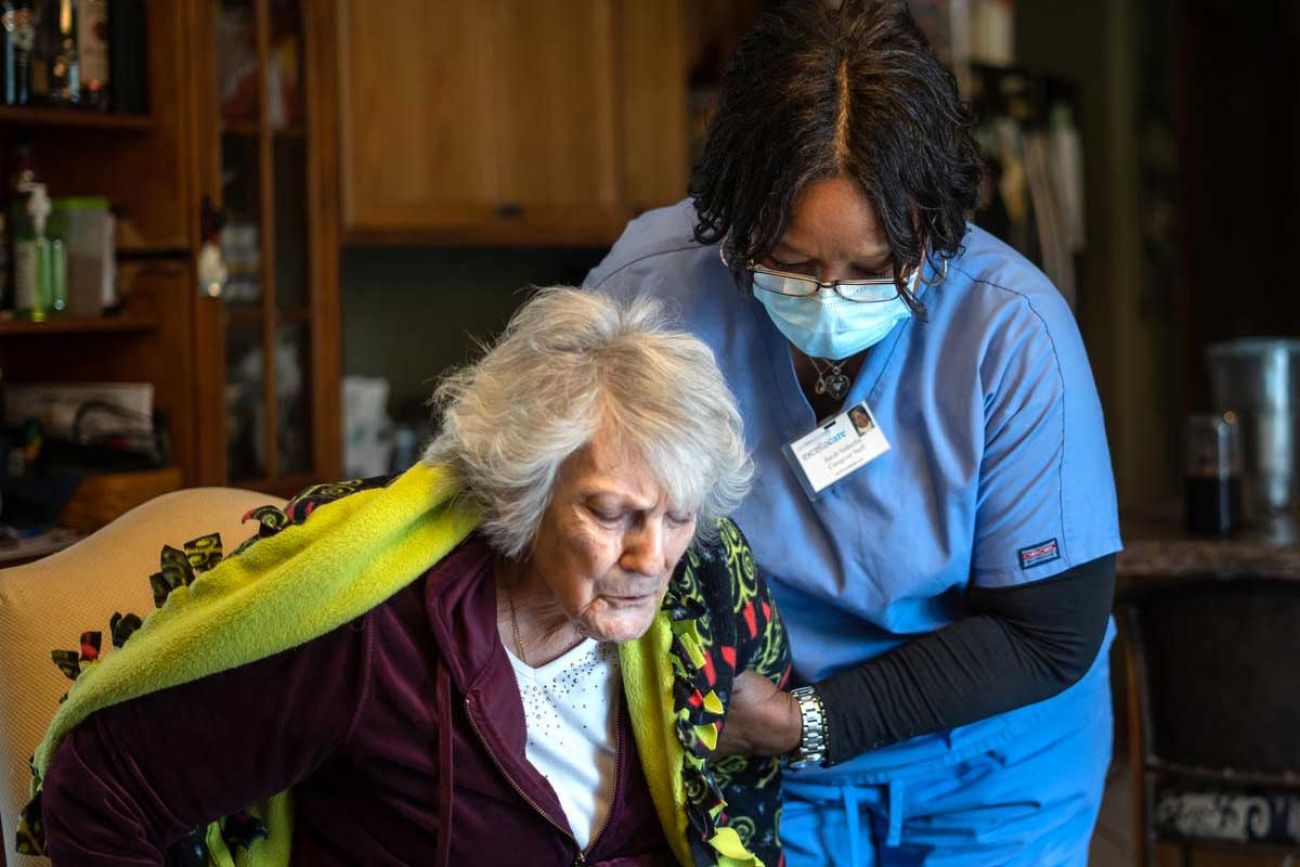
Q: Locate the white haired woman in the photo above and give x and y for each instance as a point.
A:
(519, 651)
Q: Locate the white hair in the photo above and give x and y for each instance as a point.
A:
(569, 364)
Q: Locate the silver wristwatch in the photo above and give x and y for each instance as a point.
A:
(812, 715)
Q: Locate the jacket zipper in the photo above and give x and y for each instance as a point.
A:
(618, 761)
(595, 838)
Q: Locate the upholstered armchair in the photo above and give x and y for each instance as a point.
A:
(48, 605)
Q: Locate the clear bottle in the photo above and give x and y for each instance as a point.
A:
(44, 15)
(8, 68)
(56, 232)
(65, 64)
(58, 276)
(22, 23)
(93, 53)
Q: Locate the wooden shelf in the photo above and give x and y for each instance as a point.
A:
(76, 117)
(249, 129)
(251, 315)
(77, 325)
(242, 129)
(132, 254)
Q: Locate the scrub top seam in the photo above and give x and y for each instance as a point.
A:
(639, 259)
(873, 393)
(1056, 359)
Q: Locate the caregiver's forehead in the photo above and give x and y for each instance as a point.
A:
(833, 219)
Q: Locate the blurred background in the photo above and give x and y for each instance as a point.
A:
(240, 239)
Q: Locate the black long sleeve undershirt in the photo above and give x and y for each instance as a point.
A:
(1017, 645)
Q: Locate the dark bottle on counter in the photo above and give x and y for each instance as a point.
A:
(1212, 475)
(1213, 505)
(65, 65)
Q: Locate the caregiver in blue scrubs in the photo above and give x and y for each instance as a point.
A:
(947, 576)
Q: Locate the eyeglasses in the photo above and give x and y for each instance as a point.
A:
(870, 291)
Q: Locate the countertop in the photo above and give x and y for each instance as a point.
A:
(1156, 544)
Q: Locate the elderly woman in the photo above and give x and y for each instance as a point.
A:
(946, 579)
(519, 651)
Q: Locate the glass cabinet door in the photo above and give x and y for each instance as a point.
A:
(265, 238)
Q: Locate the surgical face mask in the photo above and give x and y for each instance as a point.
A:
(829, 324)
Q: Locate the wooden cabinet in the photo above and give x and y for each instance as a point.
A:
(416, 114)
(241, 126)
(268, 342)
(509, 121)
(555, 115)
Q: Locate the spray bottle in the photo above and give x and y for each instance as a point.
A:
(33, 260)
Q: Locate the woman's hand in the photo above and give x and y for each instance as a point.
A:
(762, 719)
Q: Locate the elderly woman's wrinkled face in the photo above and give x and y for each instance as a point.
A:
(609, 541)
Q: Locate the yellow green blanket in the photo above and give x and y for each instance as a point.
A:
(360, 549)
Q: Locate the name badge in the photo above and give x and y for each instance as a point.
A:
(835, 448)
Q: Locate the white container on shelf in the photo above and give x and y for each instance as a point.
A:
(88, 230)
(367, 428)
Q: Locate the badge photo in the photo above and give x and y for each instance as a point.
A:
(837, 447)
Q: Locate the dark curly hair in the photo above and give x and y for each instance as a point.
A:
(813, 92)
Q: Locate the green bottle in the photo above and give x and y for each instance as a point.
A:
(33, 258)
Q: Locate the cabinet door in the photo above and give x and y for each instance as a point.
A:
(654, 147)
(267, 340)
(417, 115)
(509, 121)
(557, 142)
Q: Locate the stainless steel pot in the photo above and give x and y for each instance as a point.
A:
(1259, 379)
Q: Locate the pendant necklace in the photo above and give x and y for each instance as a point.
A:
(831, 380)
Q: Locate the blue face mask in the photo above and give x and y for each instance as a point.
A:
(826, 325)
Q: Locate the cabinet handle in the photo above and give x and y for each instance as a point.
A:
(510, 211)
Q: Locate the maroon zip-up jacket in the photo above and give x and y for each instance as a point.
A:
(402, 735)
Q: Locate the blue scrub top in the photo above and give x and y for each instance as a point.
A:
(998, 472)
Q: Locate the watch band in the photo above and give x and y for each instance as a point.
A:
(812, 715)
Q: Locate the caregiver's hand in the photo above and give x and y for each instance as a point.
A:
(762, 719)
